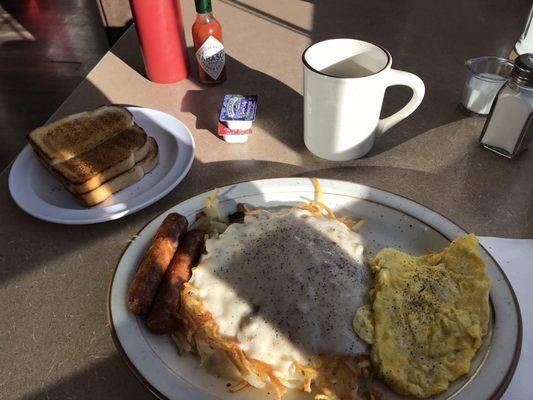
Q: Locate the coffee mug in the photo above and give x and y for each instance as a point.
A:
(344, 85)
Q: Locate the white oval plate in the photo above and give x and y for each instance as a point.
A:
(36, 191)
(393, 221)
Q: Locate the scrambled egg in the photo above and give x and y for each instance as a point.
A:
(428, 316)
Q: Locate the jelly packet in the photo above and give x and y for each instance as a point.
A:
(236, 117)
(238, 111)
(233, 135)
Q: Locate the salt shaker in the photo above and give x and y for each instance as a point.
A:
(509, 126)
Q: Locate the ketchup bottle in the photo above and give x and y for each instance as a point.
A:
(208, 47)
(159, 25)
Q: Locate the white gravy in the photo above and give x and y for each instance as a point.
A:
(286, 285)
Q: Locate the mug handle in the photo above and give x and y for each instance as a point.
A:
(403, 78)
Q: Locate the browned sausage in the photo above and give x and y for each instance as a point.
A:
(163, 317)
(155, 262)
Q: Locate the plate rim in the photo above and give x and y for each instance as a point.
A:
(498, 392)
(16, 166)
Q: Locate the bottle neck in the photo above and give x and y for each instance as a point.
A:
(203, 6)
(205, 18)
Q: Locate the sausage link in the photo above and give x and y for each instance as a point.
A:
(155, 262)
(163, 317)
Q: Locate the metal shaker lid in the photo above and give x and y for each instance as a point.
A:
(523, 70)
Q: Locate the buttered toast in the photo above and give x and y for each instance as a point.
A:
(116, 155)
(73, 135)
(123, 180)
(95, 153)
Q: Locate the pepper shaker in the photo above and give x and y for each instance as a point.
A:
(509, 126)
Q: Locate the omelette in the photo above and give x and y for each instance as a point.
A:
(427, 317)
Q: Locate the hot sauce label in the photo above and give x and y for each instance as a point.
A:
(211, 57)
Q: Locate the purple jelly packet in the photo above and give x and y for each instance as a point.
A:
(238, 110)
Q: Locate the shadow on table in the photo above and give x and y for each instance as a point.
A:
(104, 378)
(431, 40)
(280, 108)
(496, 204)
(128, 50)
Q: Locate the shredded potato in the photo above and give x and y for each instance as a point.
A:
(334, 377)
(354, 225)
(212, 219)
(319, 194)
(317, 207)
(238, 387)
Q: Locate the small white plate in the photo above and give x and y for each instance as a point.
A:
(39, 194)
(393, 221)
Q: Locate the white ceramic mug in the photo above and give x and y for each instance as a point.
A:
(344, 85)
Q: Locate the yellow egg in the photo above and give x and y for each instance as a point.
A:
(363, 324)
(429, 315)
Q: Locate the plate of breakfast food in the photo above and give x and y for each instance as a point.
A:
(304, 289)
(100, 165)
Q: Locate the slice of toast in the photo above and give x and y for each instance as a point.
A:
(73, 135)
(123, 180)
(94, 167)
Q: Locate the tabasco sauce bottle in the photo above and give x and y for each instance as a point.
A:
(208, 47)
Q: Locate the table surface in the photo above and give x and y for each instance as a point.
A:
(54, 335)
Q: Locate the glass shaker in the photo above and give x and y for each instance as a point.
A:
(485, 77)
(509, 126)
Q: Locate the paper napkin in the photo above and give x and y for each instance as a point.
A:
(515, 256)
